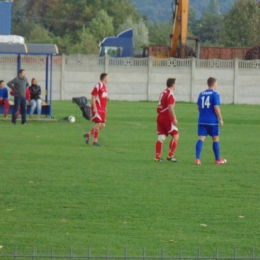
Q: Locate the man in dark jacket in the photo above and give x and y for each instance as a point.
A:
(19, 85)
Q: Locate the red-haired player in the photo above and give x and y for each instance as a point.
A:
(98, 108)
(167, 122)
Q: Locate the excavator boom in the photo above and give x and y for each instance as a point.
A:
(179, 38)
(180, 28)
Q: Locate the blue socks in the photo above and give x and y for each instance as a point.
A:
(216, 149)
(199, 146)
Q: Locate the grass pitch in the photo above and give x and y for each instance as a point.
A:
(57, 191)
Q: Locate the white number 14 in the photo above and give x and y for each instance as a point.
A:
(205, 102)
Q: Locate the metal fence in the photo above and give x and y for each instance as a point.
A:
(71, 255)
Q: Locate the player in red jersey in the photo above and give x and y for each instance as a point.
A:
(167, 122)
(98, 108)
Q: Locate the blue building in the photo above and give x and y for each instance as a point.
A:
(6, 15)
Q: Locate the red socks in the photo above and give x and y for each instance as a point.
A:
(172, 147)
(158, 149)
(96, 132)
(91, 132)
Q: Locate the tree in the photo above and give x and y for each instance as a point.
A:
(86, 45)
(38, 34)
(159, 33)
(65, 20)
(193, 23)
(101, 26)
(213, 7)
(140, 30)
(208, 27)
(241, 24)
(68, 16)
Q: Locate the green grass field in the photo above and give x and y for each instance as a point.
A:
(57, 191)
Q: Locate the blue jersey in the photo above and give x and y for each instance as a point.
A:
(206, 102)
(4, 93)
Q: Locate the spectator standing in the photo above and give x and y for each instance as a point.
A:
(35, 100)
(19, 85)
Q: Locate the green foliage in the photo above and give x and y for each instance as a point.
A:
(213, 7)
(87, 43)
(159, 33)
(140, 31)
(63, 22)
(209, 28)
(57, 191)
(65, 19)
(241, 24)
(161, 11)
(101, 26)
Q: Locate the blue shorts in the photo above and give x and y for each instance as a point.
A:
(211, 130)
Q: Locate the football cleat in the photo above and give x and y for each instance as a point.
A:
(86, 139)
(172, 159)
(158, 160)
(96, 144)
(197, 161)
(221, 161)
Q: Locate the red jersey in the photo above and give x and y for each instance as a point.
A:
(100, 94)
(166, 99)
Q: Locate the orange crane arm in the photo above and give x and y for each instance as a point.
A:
(180, 28)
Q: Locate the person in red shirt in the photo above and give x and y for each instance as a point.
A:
(167, 122)
(98, 108)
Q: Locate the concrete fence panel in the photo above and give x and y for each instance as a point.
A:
(135, 79)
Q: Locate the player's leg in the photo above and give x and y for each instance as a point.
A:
(216, 146)
(88, 134)
(95, 119)
(97, 128)
(173, 146)
(202, 133)
(158, 147)
(102, 125)
(162, 133)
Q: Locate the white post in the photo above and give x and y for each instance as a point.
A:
(149, 73)
(62, 78)
(235, 81)
(192, 85)
(106, 64)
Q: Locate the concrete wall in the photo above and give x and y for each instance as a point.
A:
(135, 79)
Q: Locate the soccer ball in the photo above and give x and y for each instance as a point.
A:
(71, 119)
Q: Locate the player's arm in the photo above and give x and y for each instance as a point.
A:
(93, 101)
(218, 113)
(172, 112)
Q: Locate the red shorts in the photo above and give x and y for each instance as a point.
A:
(99, 117)
(165, 126)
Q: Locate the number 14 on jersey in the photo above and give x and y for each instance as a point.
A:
(205, 101)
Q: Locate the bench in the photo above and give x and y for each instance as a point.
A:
(45, 110)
